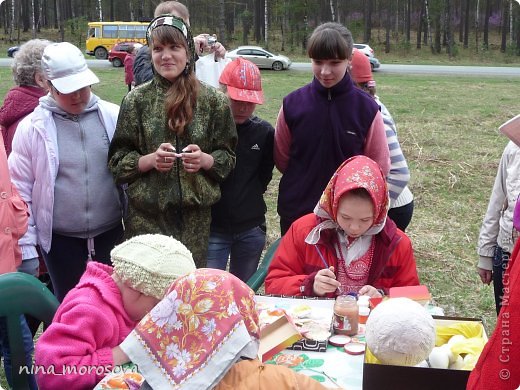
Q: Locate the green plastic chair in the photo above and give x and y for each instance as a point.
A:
(21, 293)
(257, 279)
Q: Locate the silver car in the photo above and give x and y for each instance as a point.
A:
(261, 57)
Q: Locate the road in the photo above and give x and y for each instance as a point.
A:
(435, 69)
(385, 68)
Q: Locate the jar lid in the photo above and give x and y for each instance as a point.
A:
(339, 340)
(354, 348)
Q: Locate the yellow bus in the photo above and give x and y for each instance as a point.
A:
(102, 36)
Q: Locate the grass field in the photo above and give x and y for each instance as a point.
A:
(448, 131)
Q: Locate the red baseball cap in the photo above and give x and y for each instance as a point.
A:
(243, 81)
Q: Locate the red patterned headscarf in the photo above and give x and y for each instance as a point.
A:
(197, 332)
(356, 172)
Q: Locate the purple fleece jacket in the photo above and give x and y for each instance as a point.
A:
(88, 324)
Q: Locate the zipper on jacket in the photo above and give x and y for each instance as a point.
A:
(75, 118)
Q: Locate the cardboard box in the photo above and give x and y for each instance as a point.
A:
(324, 306)
(277, 336)
(389, 377)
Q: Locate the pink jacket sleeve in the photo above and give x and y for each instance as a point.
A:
(376, 145)
(13, 218)
(80, 335)
(282, 142)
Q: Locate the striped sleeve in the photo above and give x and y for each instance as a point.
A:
(399, 174)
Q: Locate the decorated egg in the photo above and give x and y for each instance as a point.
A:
(401, 332)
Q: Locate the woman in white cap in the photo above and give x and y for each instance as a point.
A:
(58, 163)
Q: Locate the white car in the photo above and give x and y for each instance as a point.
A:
(367, 50)
(261, 57)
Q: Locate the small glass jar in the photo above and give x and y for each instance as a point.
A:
(346, 315)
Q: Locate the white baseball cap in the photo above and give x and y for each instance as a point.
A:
(64, 65)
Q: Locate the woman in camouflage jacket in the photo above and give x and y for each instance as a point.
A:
(174, 143)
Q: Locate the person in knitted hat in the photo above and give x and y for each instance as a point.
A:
(174, 144)
(238, 222)
(401, 198)
(96, 315)
(204, 335)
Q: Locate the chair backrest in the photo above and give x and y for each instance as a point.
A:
(21, 293)
(257, 279)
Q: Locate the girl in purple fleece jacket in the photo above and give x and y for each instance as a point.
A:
(82, 344)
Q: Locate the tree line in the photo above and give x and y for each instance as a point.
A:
(437, 25)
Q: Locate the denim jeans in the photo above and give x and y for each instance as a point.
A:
(30, 266)
(500, 261)
(243, 249)
(6, 351)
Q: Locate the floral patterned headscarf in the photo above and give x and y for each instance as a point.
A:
(196, 333)
(356, 172)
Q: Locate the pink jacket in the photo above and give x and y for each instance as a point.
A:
(13, 218)
(88, 324)
(19, 102)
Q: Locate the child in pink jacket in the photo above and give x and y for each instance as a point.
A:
(81, 345)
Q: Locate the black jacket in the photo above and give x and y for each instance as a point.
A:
(241, 206)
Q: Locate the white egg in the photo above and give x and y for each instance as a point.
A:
(423, 364)
(458, 364)
(439, 358)
(451, 356)
(456, 339)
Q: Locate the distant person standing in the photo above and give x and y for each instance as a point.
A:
(322, 124)
(238, 225)
(129, 65)
(30, 86)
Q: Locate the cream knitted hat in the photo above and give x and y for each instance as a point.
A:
(151, 262)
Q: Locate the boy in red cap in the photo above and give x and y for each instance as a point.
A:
(238, 223)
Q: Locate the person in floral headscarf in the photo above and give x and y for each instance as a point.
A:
(204, 335)
(348, 245)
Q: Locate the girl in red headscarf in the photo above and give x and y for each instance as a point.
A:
(347, 245)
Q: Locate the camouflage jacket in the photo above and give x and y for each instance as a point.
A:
(142, 127)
